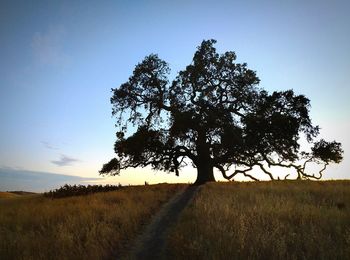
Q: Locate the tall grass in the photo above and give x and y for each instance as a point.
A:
(96, 226)
(269, 220)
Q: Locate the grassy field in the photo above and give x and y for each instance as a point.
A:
(7, 195)
(95, 226)
(266, 220)
(262, 220)
(13, 194)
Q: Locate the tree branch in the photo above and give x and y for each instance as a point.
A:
(265, 171)
(237, 171)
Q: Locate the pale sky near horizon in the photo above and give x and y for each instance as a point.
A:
(60, 59)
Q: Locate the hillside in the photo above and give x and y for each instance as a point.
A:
(254, 220)
(14, 194)
(6, 195)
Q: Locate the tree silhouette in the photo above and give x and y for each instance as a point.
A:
(213, 115)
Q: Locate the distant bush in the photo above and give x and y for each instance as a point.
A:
(78, 190)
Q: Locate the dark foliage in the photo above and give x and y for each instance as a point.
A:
(212, 115)
(78, 190)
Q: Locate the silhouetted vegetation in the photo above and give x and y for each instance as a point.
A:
(78, 190)
(213, 115)
(22, 192)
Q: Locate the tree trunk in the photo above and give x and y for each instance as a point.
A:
(205, 173)
(203, 161)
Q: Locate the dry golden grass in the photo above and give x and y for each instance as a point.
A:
(95, 226)
(7, 195)
(268, 220)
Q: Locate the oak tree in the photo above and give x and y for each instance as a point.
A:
(212, 115)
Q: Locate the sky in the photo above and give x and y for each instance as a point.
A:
(60, 59)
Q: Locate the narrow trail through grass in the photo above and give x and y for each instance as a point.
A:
(151, 243)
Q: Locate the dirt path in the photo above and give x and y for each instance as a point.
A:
(150, 244)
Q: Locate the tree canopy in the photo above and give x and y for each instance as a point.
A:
(213, 115)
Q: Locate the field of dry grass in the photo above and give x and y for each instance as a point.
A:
(13, 194)
(95, 226)
(264, 220)
(7, 195)
(267, 220)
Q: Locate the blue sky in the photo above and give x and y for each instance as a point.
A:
(59, 60)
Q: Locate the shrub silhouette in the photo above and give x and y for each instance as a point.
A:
(79, 190)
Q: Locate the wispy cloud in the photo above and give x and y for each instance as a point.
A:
(65, 161)
(49, 145)
(48, 46)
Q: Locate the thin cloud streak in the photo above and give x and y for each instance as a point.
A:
(49, 145)
(65, 161)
